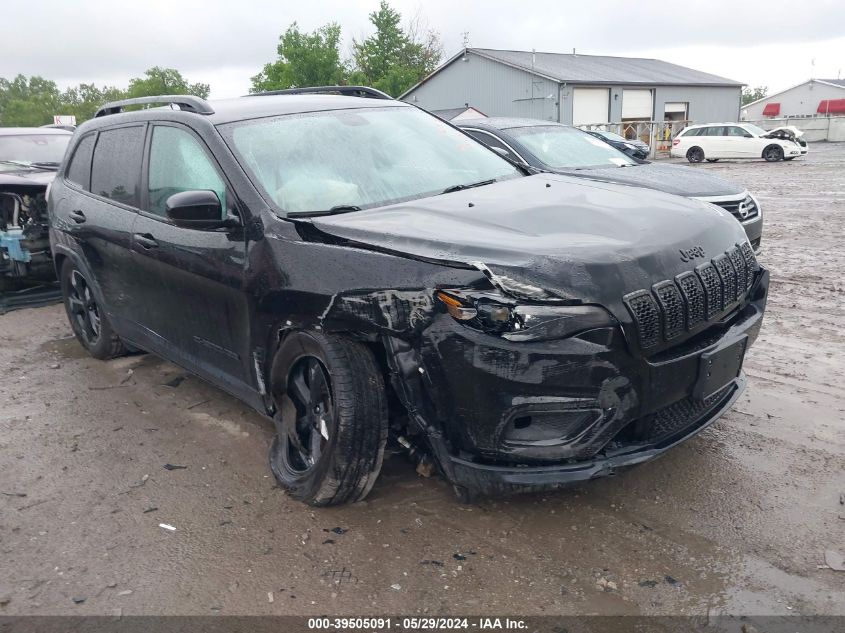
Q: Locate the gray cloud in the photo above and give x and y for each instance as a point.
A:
(225, 42)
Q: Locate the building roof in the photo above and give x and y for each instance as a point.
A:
(594, 69)
(447, 114)
(836, 83)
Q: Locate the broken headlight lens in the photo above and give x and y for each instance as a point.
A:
(523, 322)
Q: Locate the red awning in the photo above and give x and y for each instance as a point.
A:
(771, 109)
(831, 106)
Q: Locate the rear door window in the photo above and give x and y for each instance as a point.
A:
(79, 169)
(179, 163)
(116, 167)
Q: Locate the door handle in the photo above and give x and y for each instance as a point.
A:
(146, 240)
(77, 216)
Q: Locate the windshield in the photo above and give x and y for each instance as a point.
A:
(568, 148)
(612, 136)
(34, 148)
(756, 131)
(350, 159)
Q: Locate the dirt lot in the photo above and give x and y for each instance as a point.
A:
(735, 521)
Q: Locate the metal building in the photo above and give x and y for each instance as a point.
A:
(813, 98)
(576, 89)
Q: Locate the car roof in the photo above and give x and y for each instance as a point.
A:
(717, 123)
(505, 123)
(255, 107)
(20, 131)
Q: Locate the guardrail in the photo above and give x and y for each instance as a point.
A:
(657, 134)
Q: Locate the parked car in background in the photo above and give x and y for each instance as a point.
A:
(714, 141)
(632, 147)
(29, 158)
(567, 150)
(358, 269)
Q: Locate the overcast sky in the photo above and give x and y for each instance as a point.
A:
(223, 42)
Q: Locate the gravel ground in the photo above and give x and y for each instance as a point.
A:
(735, 521)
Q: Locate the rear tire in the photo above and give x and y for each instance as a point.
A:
(695, 154)
(87, 318)
(773, 153)
(331, 420)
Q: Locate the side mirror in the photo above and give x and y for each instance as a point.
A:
(199, 209)
(501, 151)
(747, 135)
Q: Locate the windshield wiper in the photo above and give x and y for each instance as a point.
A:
(16, 163)
(481, 183)
(335, 210)
(46, 164)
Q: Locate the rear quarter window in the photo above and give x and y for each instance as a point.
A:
(79, 169)
(116, 166)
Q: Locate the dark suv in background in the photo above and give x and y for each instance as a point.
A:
(360, 271)
(550, 146)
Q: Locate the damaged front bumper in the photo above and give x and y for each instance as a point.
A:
(492, 479)
(538, 415)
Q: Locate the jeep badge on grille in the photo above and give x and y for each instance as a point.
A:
(691, 253)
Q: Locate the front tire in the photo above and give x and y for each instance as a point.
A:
(87, 318)
(331, 419)
(773, 153)
(695, 154)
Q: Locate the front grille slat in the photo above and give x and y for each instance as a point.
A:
(738, 261)
(673, 309)
(712, 289)
(693, 298)
(693, 293)
(646, 315)
(728, 274)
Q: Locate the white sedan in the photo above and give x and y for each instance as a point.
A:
(713, 141)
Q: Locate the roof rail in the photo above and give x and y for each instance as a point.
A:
(189, 103)
(348, 91)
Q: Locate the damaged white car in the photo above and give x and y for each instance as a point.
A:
(713, 141)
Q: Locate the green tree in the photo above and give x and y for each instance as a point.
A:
(83, 100)
(28, 101)
(393, 59)
(753, 94)
(164, 81)
(305, 59)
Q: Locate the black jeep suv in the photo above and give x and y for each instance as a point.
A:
(360, 271)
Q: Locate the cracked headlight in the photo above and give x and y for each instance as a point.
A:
(495, 314)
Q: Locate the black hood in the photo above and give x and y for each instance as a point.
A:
(682, 181)
(574, 238)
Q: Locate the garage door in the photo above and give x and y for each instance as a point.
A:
(590, 105)
(636, 104)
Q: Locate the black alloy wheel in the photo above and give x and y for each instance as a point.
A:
(773, 153)
(82, 309)
(87, 318)
(305, 430)
(331, 418)
(695, 154)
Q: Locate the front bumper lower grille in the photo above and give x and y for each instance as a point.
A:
(675, 306)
